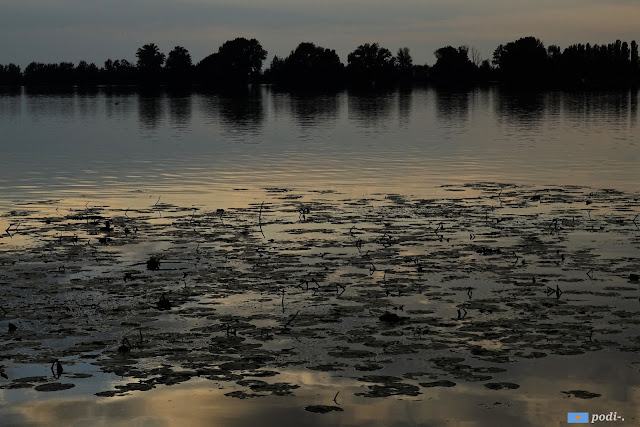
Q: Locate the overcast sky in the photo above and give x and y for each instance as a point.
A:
(94, 30)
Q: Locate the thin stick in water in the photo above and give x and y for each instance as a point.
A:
(260, 219)
(292, 318)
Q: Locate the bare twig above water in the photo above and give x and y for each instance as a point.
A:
(304, 211)
(125, 347)
(7, 230)
(291, 320)
(57, 373)
(260, 219)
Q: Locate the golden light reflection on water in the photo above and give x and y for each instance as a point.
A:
(539, 401)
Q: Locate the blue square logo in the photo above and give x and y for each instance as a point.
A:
(578, 417)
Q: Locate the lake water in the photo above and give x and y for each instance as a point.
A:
(111, 142)
(423, 257)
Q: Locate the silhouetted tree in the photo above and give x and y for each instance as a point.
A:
(237, 62)
(61, 74)
(150, 61)
(179, 66)
(615, 64)
(33, 72)
(118, 72)
(475, 57)
(421, 73)
(81, 70)
(210, 71)
(370, 65)
(64, 75)
(453, 66)
(634, 53)
(108, 72)
(404, 65)
(10, 75)
(86, 74)
(486, 72)
(404, 61)
(274, 73)
(307, 67)
(634, 60)
(523, 61)
(179, 59)
(554, 59)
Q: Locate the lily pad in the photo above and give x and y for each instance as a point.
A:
(322, 409)
(53, 386)
(441, 383)
(581, 394)
(501, 386)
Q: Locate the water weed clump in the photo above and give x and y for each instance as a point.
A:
(421, 294)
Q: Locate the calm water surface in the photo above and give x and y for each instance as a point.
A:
(110, 142)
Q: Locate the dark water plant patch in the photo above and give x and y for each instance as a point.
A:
(53, 386)
(502, 386)
(436, 290)
(322, 409)
(441, 383)
(581, 394)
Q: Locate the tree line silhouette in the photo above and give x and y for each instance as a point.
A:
(524, 62)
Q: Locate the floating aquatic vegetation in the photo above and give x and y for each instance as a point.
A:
(322, 409)
(153, 263)
(502, 386)
(278, 389)
(388, 386)
(371, 366)
(53, 387)
(391, 318)
(163, 303)
(420, 289)
(441, 383)
(581, 394)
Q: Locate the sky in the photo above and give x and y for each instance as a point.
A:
(94, 30)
